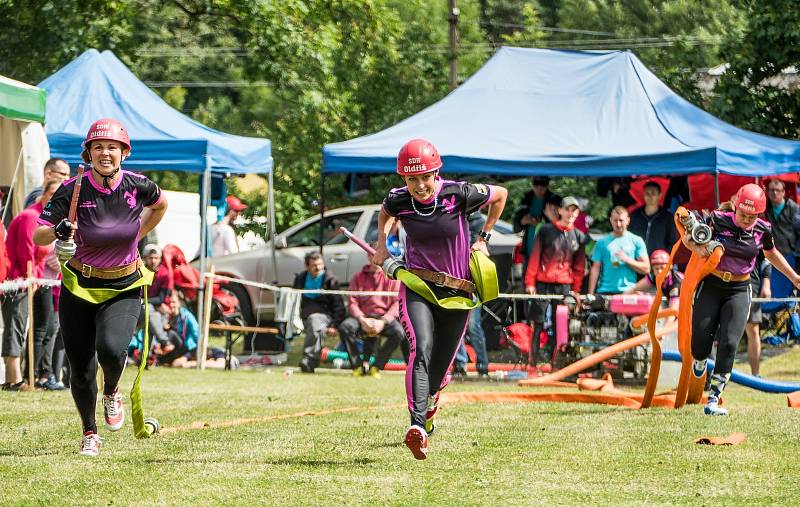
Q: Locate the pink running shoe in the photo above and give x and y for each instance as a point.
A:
(417, 440)
(90, 445)
(113, 410)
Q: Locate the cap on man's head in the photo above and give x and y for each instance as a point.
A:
(234, 203)
(541, 180)
(151, 249)
(570, 201)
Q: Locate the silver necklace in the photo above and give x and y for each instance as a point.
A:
(435, 203)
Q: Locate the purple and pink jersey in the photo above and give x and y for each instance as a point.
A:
(108, 219)
(741, 245)
(438, 237)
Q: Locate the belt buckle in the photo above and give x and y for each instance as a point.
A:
(86, 270)
(726, 276)
(439, 278)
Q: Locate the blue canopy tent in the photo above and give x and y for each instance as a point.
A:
(98, 85)
(569, 113)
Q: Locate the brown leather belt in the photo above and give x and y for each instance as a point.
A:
(105, 273)
(727, 276)
(444, 280)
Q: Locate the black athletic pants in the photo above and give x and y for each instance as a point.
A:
(722, 306)
(104, 331)
(434, 335)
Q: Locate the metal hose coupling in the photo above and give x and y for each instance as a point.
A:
(65, 250)
(391, 266)
(699, 232)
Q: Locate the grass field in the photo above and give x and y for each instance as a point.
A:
(509, 454)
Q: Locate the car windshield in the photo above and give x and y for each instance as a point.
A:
(309, 235)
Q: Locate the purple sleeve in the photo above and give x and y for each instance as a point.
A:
(58, 207)
(149, 191)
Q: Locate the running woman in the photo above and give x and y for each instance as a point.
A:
(722, 300)
(433, 213)
(116, 209)
(671, 287)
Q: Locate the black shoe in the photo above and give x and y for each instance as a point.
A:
(52, 384)
(459, 372)
(483, 374)
(19, 386)
(305, 366)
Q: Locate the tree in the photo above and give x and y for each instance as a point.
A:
(754, 92)
(673, 38)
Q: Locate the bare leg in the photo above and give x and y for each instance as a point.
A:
(13, 371)
(753, 331)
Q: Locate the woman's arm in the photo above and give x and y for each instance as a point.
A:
(779, 261)
(152, 215)
(385, 223)
(497, 201)
(641, 286)
(44, 235)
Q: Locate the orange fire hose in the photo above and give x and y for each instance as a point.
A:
(598, 357)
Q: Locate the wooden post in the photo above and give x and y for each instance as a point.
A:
(31, 365)
(208, 295)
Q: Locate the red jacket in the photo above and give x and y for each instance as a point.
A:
(558, 256)
(387, 306)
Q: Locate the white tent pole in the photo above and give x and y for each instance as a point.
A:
(203, 246)
(271, 198)
(11, 188)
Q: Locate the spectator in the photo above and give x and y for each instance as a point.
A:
(321, 313)
(371, 317)
(54, 169)
(671, 287)
(784, 215)
(652, 222)
(475, 335)
(556, 266)
(760, 284)
(531, 211)
(617, 257)
(223, 237)
(22, 250)
(158, 296)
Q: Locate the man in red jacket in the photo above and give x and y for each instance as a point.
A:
(21, 250)
(556, 266)
(370, 318)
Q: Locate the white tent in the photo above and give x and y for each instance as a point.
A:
(23, 144)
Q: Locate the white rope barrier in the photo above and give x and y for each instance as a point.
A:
(275, 288)
(23, 284)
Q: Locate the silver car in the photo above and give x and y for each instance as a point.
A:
(343, 258)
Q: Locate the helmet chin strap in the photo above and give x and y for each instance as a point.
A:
(106, 177)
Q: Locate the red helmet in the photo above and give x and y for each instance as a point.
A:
(418, 156)
(107, 129)
(751, 199)
(659, 257)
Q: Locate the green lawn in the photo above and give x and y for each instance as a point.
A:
(512, 454)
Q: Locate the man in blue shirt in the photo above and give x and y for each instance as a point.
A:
(618, 257)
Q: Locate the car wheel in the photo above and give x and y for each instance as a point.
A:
(245, 306)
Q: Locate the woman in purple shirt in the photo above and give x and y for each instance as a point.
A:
(100, 306)
(433, 213)
(722, 300)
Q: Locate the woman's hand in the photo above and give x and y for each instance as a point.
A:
(381, 254)
(480, 245)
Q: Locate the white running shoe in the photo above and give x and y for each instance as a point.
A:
(713, 408)
(113, 410)
(90, 445)
(417, 441)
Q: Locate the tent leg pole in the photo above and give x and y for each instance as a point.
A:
(321, 209)
(11, 189)
(203, 248)
(271, 198)
(716, 189)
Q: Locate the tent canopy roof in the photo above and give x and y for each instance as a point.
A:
(98, 85)
(20, 101)
(569, 113)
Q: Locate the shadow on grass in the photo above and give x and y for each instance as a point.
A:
(280, 461)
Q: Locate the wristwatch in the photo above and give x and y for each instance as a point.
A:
(485, 235)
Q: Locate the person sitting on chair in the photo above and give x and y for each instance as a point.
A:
(321, 313)
(370, 318)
